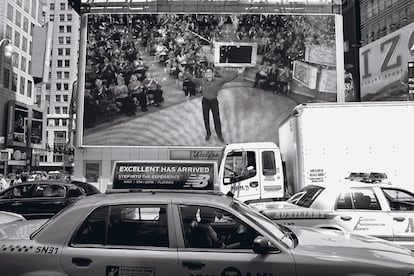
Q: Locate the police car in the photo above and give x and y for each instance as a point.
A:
(376, 209)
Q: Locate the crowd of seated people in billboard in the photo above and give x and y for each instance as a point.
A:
(118, 80)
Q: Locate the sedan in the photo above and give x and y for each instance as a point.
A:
(40, 199)
(169, 234)
(375, 209)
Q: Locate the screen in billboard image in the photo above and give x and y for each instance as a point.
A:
(202, 79)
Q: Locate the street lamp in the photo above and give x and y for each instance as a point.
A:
(8, 49)
(8, 52)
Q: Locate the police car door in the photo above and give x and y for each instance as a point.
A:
(123, 240)
(401, 203)
(215, 242)
(360, 211)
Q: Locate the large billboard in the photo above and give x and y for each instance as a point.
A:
(384, 66)
(203, 79)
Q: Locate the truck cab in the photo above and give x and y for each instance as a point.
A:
(252, 171)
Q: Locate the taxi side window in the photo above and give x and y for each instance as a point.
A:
(207, 227)
(132, 225)
(93, 229)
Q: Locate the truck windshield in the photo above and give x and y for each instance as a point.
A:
(271, 228)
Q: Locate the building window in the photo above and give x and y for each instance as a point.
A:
(47, 88)
(64, 110)
(62, 6)
(67, 63)
(58, 86)
(10, 12)
(57, 109)
(29, 88)
(59, 75)
(64, 122)
(57, 98)
(68, 40)
(69, 17)
(61, 39)
(59, 63)
(92, 172)
(18, 20)
(30, 48)
(61, 29)
(57, 158)
(66, 86)
(26, 24)
(60, 134)
(6, 78)
(24, 44)
(66, 75)
(26, 5)
(65, 98)
(68, 29)
(14, 82)
(62, 17)
(17, 39)
(15, 59)
(30, 67)
(56, 122)
(51, 17)
(34, 9)
(23, 64)
(22, 85)
(60, 51)
(67, 51)
(9, 32)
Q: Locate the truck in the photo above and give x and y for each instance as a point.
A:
(325, 144)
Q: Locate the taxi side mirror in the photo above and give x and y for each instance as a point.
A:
(262, 246)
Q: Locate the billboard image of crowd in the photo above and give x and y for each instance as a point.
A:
(203, 79)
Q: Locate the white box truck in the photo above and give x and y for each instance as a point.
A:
(323, 143)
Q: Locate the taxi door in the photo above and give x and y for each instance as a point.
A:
(136, 241)
(231, 254)
(360, 211)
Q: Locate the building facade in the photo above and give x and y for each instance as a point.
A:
(21, 122)
(56, 93)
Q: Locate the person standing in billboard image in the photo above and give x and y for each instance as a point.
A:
(210, 86)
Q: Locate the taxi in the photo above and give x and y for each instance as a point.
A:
(206, 233)
(374, 209)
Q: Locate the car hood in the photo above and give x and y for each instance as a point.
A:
(315, 241)
(20, 230)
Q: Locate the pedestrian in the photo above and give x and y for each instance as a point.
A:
(210, 86)
(3, 182)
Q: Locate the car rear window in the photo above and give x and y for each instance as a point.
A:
(309, 195)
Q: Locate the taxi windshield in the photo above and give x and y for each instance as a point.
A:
(283, 234)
